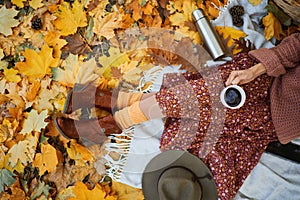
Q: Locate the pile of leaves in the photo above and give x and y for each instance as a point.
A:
(48, 46)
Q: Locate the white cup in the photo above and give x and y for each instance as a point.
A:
(233, 97)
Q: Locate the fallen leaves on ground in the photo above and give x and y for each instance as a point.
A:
(7, 20)
(48, 46)
(69, 18)
(37, 64)
(273, 27)
(46, 160)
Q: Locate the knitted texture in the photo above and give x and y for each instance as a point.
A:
(136, 115)
(128, 98)
(130, 116)
(283, 63)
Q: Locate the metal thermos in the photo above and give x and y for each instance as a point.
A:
(208, 34)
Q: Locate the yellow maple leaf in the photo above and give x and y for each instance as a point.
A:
(32, 90)
(11, 75)
(70, 18)
(185, 32)
(46, 160)
(104, 26)
(148, 8)
(22, 152)
(2, 158)
(56, 97)
(127, 66)
(7, 20)
(232, 34)
(115, 59)
(49, 93)
(184, 14)
(66, 194)
(74, 71)
(3, 64)
(36, 4)
(127, 192)
(1, 54)
(16, 99)
(79, 153)
(255, 2)
(184, 17)
(37, 65)
(66, 75)
(83, 193)
(7, 129)
(272, 27)
(19, 3)
(35, 121)
(53, 40)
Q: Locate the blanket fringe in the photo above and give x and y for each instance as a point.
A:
(122, 142)
(116, 156)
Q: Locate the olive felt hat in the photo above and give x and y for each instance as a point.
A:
(178, 175)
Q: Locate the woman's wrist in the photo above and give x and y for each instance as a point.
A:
(258, 69)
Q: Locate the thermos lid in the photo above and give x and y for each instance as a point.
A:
(198, 14)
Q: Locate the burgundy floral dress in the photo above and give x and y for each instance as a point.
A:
(229, 141)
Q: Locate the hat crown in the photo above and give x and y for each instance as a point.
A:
(172, 172)
(179, 184)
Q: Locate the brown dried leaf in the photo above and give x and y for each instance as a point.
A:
(116, 73)
(67, 174)
(76, 45)
(244, 45)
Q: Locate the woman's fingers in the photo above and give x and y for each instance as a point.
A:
(232, 77)
(239, 77)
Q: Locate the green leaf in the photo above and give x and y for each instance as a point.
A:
(6, 178)
(89, 30)
(43, 139)
(39, 190)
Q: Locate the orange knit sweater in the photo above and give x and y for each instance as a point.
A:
(283, 63)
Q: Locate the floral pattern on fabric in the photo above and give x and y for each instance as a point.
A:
(229, 141)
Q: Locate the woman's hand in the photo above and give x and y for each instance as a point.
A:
(245, 76)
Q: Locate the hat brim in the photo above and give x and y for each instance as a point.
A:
(172, 158)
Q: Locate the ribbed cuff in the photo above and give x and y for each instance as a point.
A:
(286, 133)
(128, 98)
(270, 60)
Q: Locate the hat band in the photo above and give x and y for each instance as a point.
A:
(194, 179)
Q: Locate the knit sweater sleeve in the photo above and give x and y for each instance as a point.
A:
(279, 58)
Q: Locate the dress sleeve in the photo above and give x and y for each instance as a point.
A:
(279, 58)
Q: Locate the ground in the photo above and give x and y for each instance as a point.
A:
(48, 46)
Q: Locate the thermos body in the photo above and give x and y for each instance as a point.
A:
(208, 34)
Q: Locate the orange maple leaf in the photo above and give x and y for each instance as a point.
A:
(37, 65)
(83, 193)
(46, 160)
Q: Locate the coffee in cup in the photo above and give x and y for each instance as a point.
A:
(233, 96)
